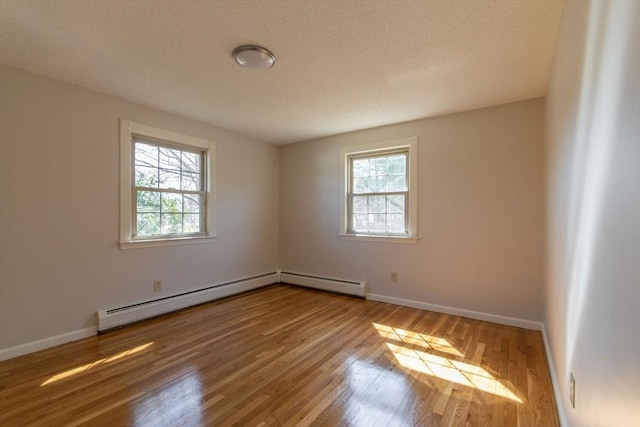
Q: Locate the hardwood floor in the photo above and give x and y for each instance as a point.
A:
(287, 356)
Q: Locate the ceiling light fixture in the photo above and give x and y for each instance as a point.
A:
(254, 57)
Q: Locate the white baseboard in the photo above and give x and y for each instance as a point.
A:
(324, 283)
(112, 318)
(30, 347)
(554, 379)
(495, 318)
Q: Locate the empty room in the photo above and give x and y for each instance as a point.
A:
(320, 213)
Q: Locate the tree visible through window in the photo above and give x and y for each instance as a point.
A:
(168, 190)
(378, 193)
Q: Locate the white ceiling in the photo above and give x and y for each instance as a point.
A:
(342, 65)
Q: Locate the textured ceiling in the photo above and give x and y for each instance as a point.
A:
(342, 65)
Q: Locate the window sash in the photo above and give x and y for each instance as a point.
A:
(201, 192)
(350, 192)
(350, 228)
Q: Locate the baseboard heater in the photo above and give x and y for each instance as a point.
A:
(116, 317)
(348, 287)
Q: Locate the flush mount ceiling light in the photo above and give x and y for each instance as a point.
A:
(254, 57)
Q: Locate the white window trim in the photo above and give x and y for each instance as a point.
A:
(412, 144)
(127, 130)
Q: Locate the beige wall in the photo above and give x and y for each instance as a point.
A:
(593, 279)
(480, 213)
(59, 215)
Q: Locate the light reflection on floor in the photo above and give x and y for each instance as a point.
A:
(176, 404)
(373, 394)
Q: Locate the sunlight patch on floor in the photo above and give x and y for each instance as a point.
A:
(438, 366)
(415, 338)
(77, 370)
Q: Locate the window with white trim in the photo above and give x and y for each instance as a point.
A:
(166, 187)
(380, 194)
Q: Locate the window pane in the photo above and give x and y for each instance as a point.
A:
(191, 181)
(169, 158)
(359, 222)
(377, 222)
(397, 163)
(171, 203)
(148, 224)
(378, 184)
(169, 179)
(360, 167)
(171, 223)
(395, 204)
(146, 155)
(377, 204)
(361, 185)
(378, 166)
(397, 183)
(359, 204)
(191, 223)
(192, 203)
(395, 223)
(146, 177)
(148, 201)
(191, 162)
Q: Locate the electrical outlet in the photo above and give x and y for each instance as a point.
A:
(157, 285)
(572, 390)
(394, 277)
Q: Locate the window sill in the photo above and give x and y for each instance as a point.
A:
(136, 244)
(376, 238)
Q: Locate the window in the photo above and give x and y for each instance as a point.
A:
(166, 187)
(380, 191)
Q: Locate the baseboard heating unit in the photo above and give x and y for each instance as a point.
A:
(348, 287)
(115, 317)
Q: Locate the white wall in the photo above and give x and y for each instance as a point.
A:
(593, 279)
(59, 214)
(481, 213)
